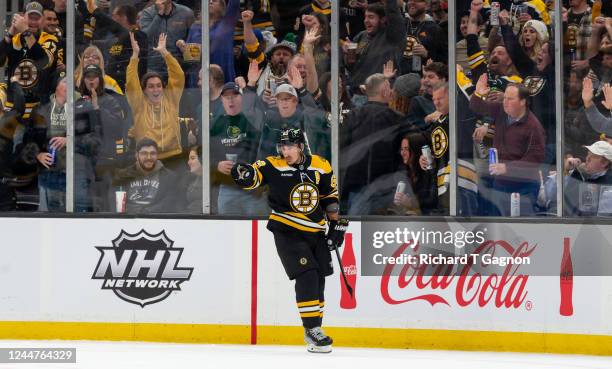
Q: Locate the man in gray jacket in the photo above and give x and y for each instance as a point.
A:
(168, 17)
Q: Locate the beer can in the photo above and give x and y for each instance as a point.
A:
(494, 17)
(416, 64)
(493, 158)
(426, 151)
(273, 86)
(401, 187)
(515, 204)
(53, 153)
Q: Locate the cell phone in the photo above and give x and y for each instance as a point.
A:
(8, 21)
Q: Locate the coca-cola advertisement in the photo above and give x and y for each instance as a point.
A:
(456, 249)
(493, 275)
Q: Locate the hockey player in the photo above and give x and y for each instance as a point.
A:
(302, 194)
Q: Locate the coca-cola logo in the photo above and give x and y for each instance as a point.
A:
(507, 290)
(350, 269)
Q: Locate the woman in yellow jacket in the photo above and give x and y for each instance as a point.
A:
(154, 105)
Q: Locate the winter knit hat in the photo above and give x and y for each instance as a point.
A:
(288, 43)
(540, 29)
(407, 85)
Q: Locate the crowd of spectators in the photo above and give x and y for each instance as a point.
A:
(138, 114)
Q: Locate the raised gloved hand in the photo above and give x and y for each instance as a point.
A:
(243, 174)
(335, 235)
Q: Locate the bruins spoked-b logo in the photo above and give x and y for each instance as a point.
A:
(304, 198)
(27, 73)
(439, 141)
(141, 268)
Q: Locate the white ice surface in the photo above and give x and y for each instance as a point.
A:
(130, 355)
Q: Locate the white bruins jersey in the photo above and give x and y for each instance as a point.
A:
(299, 194)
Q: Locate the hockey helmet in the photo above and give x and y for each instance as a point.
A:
(291, 136)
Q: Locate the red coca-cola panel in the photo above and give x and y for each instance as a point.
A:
(566, 280)
(350, 269)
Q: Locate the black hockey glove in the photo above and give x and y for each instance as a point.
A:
(243, 174)
(335, 235)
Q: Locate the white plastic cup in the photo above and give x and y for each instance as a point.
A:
(120, 200)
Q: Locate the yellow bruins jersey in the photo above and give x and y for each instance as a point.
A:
(299, 194)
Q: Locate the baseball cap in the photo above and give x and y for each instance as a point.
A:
(230, 86)
(601, 148)
(34, 7)
(287, 89)
(92, 68)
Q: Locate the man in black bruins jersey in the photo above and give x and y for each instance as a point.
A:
(302, 195)
(30, 54)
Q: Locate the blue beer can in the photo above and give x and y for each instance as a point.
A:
(53, 152)
(493, 158)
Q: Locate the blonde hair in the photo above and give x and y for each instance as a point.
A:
(537, 45)
(78, 73)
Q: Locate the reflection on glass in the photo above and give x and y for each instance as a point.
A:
(587, 51)
(273, 84)
(136, 118)
(505, 109)
(394, 132)
(32, 121)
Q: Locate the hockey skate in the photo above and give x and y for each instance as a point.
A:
(317, 341)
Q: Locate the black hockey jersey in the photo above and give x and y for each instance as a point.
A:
(439, 149)
(34, 66)
(299, 194)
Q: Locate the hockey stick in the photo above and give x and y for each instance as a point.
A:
(346, 284)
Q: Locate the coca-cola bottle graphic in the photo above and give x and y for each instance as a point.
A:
(566, 280)
(350, 269)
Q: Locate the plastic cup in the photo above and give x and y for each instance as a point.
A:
(120, 200)
(192, 52)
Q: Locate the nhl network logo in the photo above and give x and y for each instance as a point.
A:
(141, 268)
